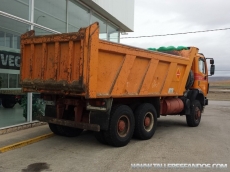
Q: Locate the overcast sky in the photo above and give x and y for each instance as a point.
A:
(154, 17)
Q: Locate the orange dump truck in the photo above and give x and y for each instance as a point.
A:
(115, 90)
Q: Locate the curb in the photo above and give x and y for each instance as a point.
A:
(19, 127)
(25, 143)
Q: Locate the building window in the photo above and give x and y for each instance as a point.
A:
(18, 8)
(113, 33)
(10, 32)
(102, 25)
(2, 38)
(78, 16)
(16, 42)
(10, 80)
(13, 80)
(4, 78)
(51, 14)
(9, 40)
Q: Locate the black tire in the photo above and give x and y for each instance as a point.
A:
(7, 103)
(121, 126)
(69, 131)
(145, 121)
(54, 129)
(134, 106)
(50, 111)
(193, 120)
(190, 80)
(64, 130)
(100, 137)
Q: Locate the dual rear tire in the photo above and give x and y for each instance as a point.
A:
(145, 121)
(121, 126)
(59, 129)
(64, 130)
(124, 124)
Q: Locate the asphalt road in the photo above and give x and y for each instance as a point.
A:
(173, 142)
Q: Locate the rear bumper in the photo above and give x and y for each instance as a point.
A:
(93, 127)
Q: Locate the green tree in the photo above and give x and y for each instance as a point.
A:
(37, 107)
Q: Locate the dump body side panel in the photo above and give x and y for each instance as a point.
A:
(125, 71)
(79, 64)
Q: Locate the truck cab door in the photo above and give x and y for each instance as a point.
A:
(202, 76)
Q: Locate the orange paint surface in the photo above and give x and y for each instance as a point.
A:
(80, 64)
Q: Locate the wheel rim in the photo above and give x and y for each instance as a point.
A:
(197, 114)
(148, 121)
(123, 126)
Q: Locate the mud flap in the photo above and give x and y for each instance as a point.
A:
(101, 117)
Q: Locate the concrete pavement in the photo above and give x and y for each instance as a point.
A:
(173, 142)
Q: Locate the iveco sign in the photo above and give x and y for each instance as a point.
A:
(9, 60)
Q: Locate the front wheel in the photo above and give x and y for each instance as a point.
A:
(193, 120)
(121, 126)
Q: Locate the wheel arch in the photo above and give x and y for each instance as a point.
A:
(155, 101)
(196, 94)
(200, 97)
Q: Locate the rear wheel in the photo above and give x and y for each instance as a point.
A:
(193, 120)
(64, 130)
(8, 103)
(145, 121)
(121, 126)
(59, 129)
(69, 131)
(100, 137)
(54, 129)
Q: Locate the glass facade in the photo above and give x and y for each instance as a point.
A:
(19, 8)
(50, 16)
(11, 112)
(102, 24)
(78, 16)
(113, 33)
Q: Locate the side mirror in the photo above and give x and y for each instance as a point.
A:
(212, 61)
(212, 69)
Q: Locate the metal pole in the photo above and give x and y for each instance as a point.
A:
(67, 17)
(119, 35)
(32, 14)
(30, 95)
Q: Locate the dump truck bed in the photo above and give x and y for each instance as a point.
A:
(80, 64)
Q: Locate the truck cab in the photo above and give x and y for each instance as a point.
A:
(200, 72)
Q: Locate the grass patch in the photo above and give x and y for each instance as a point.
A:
(220, 84)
